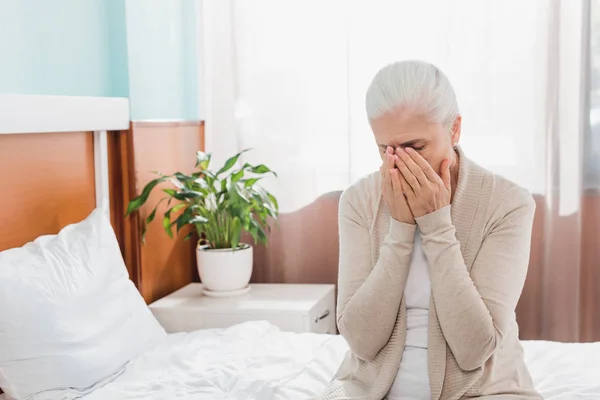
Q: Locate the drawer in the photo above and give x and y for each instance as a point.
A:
(321, 318)
(288, 322)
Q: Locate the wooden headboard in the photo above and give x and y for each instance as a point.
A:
(54, 161)
(62, 156)
(304, 247)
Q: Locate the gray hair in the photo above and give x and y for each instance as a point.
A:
(415, 84)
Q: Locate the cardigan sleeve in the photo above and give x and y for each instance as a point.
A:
(476, 310)
(369, 296)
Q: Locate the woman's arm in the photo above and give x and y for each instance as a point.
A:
(369, 298)
(476, 310)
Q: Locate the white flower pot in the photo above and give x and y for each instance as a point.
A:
(224, 270)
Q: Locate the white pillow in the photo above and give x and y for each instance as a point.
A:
(69, 315)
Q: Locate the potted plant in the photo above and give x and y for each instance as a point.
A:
(220, 205)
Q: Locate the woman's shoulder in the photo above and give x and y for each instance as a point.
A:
(505, 195)
(363, 195)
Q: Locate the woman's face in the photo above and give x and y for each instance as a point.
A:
(403, 128)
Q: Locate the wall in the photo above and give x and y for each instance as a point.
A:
(142, 49)
(118, 57)
(161, 37)
(58, 47)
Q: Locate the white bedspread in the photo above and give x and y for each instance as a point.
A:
(564, 371)
(256, 361)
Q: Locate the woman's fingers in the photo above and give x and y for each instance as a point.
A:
(385, 172)
(386, 163)
(423, 164)
(396, 184)
(389, 156)
(413, 167)
(401, 211)
(406, 188)
(407, 174)
(400, 188)
(401, 183)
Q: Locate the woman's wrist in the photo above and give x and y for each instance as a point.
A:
(402, 231)
(433, 221)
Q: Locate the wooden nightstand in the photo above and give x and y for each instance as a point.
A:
(291, 307)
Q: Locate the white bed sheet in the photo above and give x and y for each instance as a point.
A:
(256, 361)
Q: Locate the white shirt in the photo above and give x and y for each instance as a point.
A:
(412, 379)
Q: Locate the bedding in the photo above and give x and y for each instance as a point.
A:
(70, 316)
(255, 360)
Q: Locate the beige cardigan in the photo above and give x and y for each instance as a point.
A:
(478, 252)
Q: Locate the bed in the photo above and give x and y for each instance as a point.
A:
(254, 360)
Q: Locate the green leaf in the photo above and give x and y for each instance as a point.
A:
(262, 169)
(236, 195)
(209, 178)
(198, 220)
(188, 217)
(188, 236)
(257, 232)
(200, 184)
(269, 210)
(237, 176)
(236, 231)
(185, 194)
(178, 207)
(202, 160)
(167, 224)
(230, 162)
(150, 219)
(139, 201)
(182, 177)
(170, 192)
(151, 216)
(183, 219)
(250, 182)
(153, 213)
(273, 200)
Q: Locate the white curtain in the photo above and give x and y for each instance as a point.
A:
(288, 78)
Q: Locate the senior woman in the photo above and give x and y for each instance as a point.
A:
(433, 257)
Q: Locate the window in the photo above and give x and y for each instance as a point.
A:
(592, 140)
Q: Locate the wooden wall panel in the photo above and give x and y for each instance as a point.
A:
(162, 265)
(120, 174)
(47, 182)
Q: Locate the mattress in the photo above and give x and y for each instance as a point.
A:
(257, 361)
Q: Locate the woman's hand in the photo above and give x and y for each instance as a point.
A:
(392, 189)
(425, 191)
